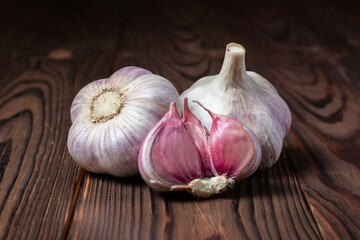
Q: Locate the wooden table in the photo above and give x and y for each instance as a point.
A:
(310, 52)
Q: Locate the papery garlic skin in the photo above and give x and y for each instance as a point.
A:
(200, 136)
(171, 158)
(230, 141)
(247, 97)
(112, 116)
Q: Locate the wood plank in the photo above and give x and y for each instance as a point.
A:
(324, 145)
(110, 208)
(44, 62)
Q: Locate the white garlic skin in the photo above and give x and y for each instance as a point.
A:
(112, 145)
(247, 97)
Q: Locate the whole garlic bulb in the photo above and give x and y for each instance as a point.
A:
(247, 97)
(112, 116)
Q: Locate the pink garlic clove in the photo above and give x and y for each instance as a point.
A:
(234, 149)
(168, 157)
(199, 135)
(177, 154)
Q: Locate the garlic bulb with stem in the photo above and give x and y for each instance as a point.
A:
(111, 117)
(245, 96)
(176, 157)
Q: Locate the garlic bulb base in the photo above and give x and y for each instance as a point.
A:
(106, 105)
(206, 187)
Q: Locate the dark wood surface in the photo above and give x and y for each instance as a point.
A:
(309, 50)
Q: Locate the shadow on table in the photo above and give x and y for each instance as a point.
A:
(274, 182)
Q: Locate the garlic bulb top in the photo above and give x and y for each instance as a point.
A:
(245, 96)
(112, 116)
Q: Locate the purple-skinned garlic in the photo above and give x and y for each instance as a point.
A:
(199, 135)
(230, 141)
(247, 97)
(179, 155)
(111, 117)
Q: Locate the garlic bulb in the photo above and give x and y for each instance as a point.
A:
(112, 116)
(247, 97)
(179, 154)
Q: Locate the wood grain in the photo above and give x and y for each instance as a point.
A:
(38, 176)
(276, 204)
(308, 50)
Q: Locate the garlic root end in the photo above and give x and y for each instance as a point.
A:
(203, 188)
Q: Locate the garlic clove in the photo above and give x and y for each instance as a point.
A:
(246, 97)
(199, 136)
(168, 157)
(235, 151)
(177, 155)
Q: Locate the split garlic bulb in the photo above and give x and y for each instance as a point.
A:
(180, 155)
(111, 117)
(247, 97)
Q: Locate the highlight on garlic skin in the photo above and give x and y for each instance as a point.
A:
(245, 96)
(111, 117)
(176, 157)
